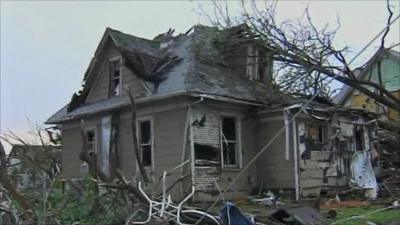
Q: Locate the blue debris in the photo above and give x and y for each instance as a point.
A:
(231, 215)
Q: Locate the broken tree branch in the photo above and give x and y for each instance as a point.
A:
(389, 20)
(306, 55)
(135, 139)
(90, 157)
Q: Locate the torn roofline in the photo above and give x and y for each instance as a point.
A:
(108, 34)
(227, 99)
(293, 106)
(126, 102)
(327, 109)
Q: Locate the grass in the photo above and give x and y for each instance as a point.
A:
(378, 217)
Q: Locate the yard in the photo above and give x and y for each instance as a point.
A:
(390, 216)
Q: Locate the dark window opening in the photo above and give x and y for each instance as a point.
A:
(321, 132)
(261, 69)
(91, 140)
(229, 142)
(146, 155)
(115, 77)
(359, 138)
(229, 153)
(145, 140)
(206, 155)
(315, 136)
(145, 131)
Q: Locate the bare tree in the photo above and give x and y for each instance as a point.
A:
(7, 183)
(306, 56)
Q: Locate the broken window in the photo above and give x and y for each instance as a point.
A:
(115, 76)
(91, 140)
(315, 135)
(256, 64)
(230, 144)
(206, 137)
(146, 142)
(206, 155)
(359, 141)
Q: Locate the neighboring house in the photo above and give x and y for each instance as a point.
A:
(205, 98)
(32, 165)
(389, 63)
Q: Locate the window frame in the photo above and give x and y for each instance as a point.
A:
(365, 141)
(253, 63)
(94, 130)
(112, 78)
(238, 146)
(138, 134)
(322, 132)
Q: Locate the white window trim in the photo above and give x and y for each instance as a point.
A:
(238, 119)
(114, 59)
(138, 120)
(94, 129)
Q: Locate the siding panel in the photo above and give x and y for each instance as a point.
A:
(272, 167)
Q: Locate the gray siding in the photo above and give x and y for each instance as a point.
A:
(127, 155)
(168, 132)
(73, 144)
(273, 170)
(169, 119)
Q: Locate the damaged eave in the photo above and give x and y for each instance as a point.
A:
(107, 105)
(123, 101)
(228, 99)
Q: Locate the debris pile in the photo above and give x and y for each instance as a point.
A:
(389, 159)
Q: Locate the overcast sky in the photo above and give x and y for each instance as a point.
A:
(46, 46)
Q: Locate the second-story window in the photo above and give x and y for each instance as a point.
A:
(115, 76)
(256, 64)
(146, 142)
(252, 63)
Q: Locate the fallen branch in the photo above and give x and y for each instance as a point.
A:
(135, 139)
(176, 182)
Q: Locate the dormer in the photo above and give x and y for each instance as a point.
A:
(259, 64)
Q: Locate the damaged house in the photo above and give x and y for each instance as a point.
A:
(382, 68)
(205, 99)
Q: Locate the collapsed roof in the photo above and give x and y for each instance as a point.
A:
(191, 63)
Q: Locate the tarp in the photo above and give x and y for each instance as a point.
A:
(363, 175)
(231, 215)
